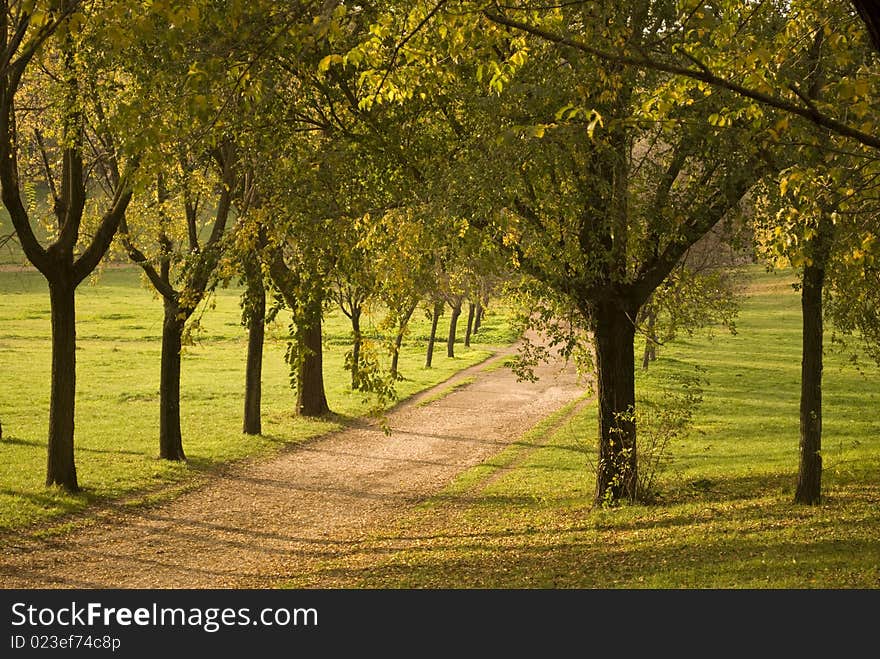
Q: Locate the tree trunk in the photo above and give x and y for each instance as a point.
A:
(310, 397)
(60, 468)
(356, 345)
(398, 340)
(395, 355)
(435, 317)
(470, 324)
(170, 438)
(453, 323)
(869, 12)
(614, 337)
(650, 353)
(253, 386)
(809, 486)
(478, 316)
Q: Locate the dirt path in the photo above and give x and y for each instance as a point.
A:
(263, 522)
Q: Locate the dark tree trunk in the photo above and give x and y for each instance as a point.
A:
(395, 356)
(356, 345)
(170, 438)
(470, 324)
(398, 340)
(810, 471)
(453, 324)
(869, 12)
(650, 353)
(310, 397)
(253, 387)
(435, 317)
(61, 469)
(809, 486)
(478, 316)
(614, 337)
(309, 376)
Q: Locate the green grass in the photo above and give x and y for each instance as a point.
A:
(118, 349)
(725, 518)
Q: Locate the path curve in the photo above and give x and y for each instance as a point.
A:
(262, 522)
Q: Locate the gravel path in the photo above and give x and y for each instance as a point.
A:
(262, 522)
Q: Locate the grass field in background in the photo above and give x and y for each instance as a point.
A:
(118, 356)
(725, 517)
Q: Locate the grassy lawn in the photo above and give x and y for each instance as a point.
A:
(724, 517)
(118, 350)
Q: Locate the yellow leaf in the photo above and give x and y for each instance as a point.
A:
(325, 62)
(536, 131)
(595, 120)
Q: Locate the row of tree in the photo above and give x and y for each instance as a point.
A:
(413, 150)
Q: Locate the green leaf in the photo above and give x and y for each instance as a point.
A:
(560, 113)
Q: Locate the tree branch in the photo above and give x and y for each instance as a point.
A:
(810, 113)
(100, 242)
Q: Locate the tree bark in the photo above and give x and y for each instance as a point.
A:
(170, 438)
(453, 324)
(470, 324)
(650, 353)
(310, 397)
(869, 12)
(478, 316)
(253, 387)
(398, 340)
(356, 345)
(435, 317)
(809, 485)
(614, 338)
(395, 356)
(61, 468)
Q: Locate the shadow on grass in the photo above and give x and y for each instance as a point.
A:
(590, 563)
(504, 542)
(18, 441)
(65, 502)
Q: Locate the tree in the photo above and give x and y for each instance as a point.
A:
(402, 245)
(435, 310)
(354, 287)
(601, 214)
(61, 34)
(766, 66)
(815, 220)
(595, 179)
(254, 318)
(243, 259)
(302, 288)
(178, 245)
(341, 174)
